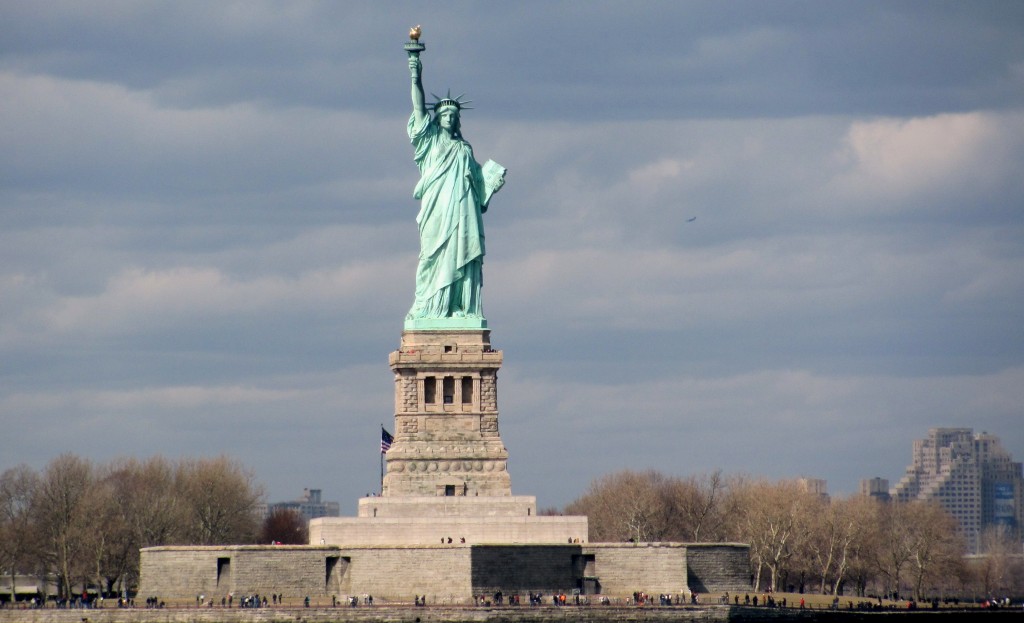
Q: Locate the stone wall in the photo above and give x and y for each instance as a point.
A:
(401, 573)
(395, 573)
(241, 569)
(430, 530)
(715, 567)
(445, 573)
(514, 569)
(448, 506)
(654, 568)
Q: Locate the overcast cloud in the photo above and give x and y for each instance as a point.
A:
(207, 241)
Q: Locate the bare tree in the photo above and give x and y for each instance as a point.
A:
(916, 542)
(647, 506)
(133, 500)
(892, 551)
(695, 507)
(149, 501)
(220, 498)
(107, 542)
(997, 567)
(18, 535)
(620, 506)
(935, 548)
(286, 526)
(837, 527)
(88, 522)
(60, 507)
(774, 523)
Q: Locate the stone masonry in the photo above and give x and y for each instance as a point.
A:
(216, 571)
(446, 524)
(445, 573)
(714, 567)
(447, 475)
(446, 417)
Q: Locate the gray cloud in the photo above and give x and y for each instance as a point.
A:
(206, 236)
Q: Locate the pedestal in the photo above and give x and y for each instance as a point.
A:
(447, 441)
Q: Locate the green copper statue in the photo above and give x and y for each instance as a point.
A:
(454, 190)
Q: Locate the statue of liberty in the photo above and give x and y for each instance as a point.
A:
(454, 190)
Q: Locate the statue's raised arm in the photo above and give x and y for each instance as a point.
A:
(454, 191)
(413, 49)
(419, 105)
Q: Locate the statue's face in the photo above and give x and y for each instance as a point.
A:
(448, 119)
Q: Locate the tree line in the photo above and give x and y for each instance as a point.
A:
(801, 540)
(83, 523)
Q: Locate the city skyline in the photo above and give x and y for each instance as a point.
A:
(781, 239)
(971, 476)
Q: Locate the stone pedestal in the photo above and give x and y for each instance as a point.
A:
(446, 417)
(447, 481)
(447, 524)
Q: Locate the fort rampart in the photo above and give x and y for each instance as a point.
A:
(443, 573)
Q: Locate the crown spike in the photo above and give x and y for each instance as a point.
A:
(457, 102)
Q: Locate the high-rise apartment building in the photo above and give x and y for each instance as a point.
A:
(310, 506)
(970, 475)
(876, 488)
(816, 486)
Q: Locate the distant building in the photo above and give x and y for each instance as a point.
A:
(25, 587)
(875, 488)
(310, 506)
(815, 486)
(969, 475)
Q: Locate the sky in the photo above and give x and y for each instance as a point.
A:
(778, 239)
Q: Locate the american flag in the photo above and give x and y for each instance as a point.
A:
(385, 440)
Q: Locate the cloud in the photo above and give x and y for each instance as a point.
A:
(147, 400)
(913, 153)
(902, 162)
(83, 136)
(136, 298)
(207, 239)
(778, 422)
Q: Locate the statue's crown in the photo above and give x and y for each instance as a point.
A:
(450, 102)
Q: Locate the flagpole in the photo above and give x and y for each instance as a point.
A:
(386, 439)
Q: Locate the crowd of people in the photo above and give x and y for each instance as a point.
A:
(557, 599)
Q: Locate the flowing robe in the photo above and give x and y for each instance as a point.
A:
(449, 276)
